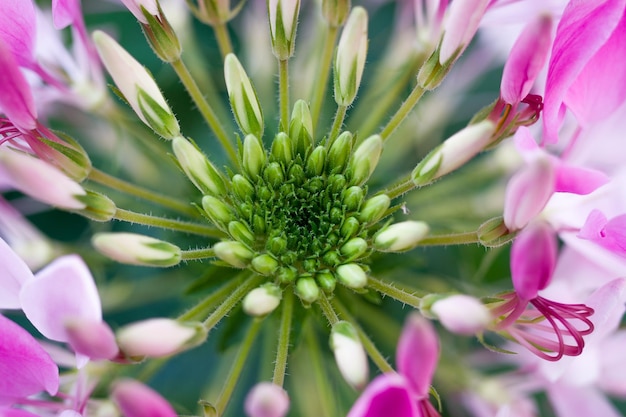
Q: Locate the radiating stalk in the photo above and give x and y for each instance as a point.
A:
(337, 123)
(323, 72)
(148, 220)
(197, 254)
(394, 292)
(450, 239)
(201, 309)
(223, 39)
(283, 84)
(402, 112)
(282, 352)
(228, 304)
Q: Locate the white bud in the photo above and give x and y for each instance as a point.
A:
(350, 59)
(197, 167)
(134, 6)
(159, 337)
(462, 314)
(365, 159)
(349, 354)
(283, 17)
(401, 236)
(352, 276)
(243, 97)
(267, 400)
(135, 249)
(262, 300)
(234, 253)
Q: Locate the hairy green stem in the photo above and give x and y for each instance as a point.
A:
(323, 72)
(148, 220)
(451, 239)
(223, 39)
(334, 131)
(394, 292)
(401, 187)
(118, 184)
(327, 309)
(205, 109)
(402, 112)
(280, 366)
(208, 303)
(325, 396)
(233, 299)
(197, 254)
(237, 367)
(283, 85)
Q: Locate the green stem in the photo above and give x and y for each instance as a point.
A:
(280, 366)
(118, 184)
(237, 367)
(402, 186)
(197, 254)
(223, 39)
(327, 309)
(283, 85)
(334, 131)
(205, 108)
(232, 300)
(323, 72)
(369, 346)
(402, 112)
(450, 239)
(325, 395)
(209, 302)
(148, 220)
(392, 291)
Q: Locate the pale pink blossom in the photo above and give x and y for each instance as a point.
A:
(138, 400)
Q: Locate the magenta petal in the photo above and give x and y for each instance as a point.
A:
(577, 180)
(94, 339)
(584, 28)
(137, 400)
(533, 259)
(610, 234)
(25, 368)
(65, 12)
(15, 412)
(18, 29)
(387, 395)
(417, 353)
(527, 57)
(13, 274)
(16, 99)
(62, 291)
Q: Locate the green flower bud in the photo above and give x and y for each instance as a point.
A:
(283, 18)
(264, 264)
(243, 97)
(401, 237)
(335, 11)
(332, 258)
(218, 212)
(494, 233)
(336, 182)
(350, 57)
(301, 127)
(281, 148)
(253, 156)
(365, 159)
(274, 174)
(67, 155)
(198, 168)
(350, 227)
(286, 275)
(241, 232)
(233, 253)
(297, 174)
(161, 35)
(374, 209)
(339, 153)
(326, 281)
(352, 276)
(242, 187)
(215, 12)
(98, 207)
(307, 290)
(258, 224)
(262, 301)
(352, 198)
(134, 249)
(315, 162)
(277, 245)
(354, 248)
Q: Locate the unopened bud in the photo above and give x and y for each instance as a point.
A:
(94, 339)
(286, 275)
(197, 167)
(159, 337)
(241, 231)
(349, 227)
(243, 97)
(454, 152)
(283, 18)
(218, 212)
(62, 151)
(263, 300)
(253, 156)
(400, 237)
(352, 198)
(307, 290)
(315, 162)
(350, 58)
(233, 253)
(98, 207)
(274, 174)
(365, 159)
(135, 399)
(461, 314)
(339, 153)
(264, 264)
(354, 248)
(352, 276)
(135, 249)
(335, 11)
(282, 148)
(135, 6)
(326, 281)
(161, 35)
(137, 86)
(267, 400)
(349, 354)
(374, 209)
(494, 233)
(242, 187)
(301, 127)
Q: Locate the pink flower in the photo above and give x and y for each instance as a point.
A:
(609, 234)
(587, 72)
(404, 394)
(137, 400)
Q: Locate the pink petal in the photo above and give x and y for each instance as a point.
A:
(137, 400)
(18, 28)
(417, 353)
(527, 58)
(613, 371)
(608, 306)
(94, 339)
(387, 395)
(13, 274)
(16, 98)
(570, 401)
(14, 412)
(62, 291)
(577, 180)
(584, 28)
(25, 368)
(533, 258)
(609, 234)
(461, 26)
(65, 12)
